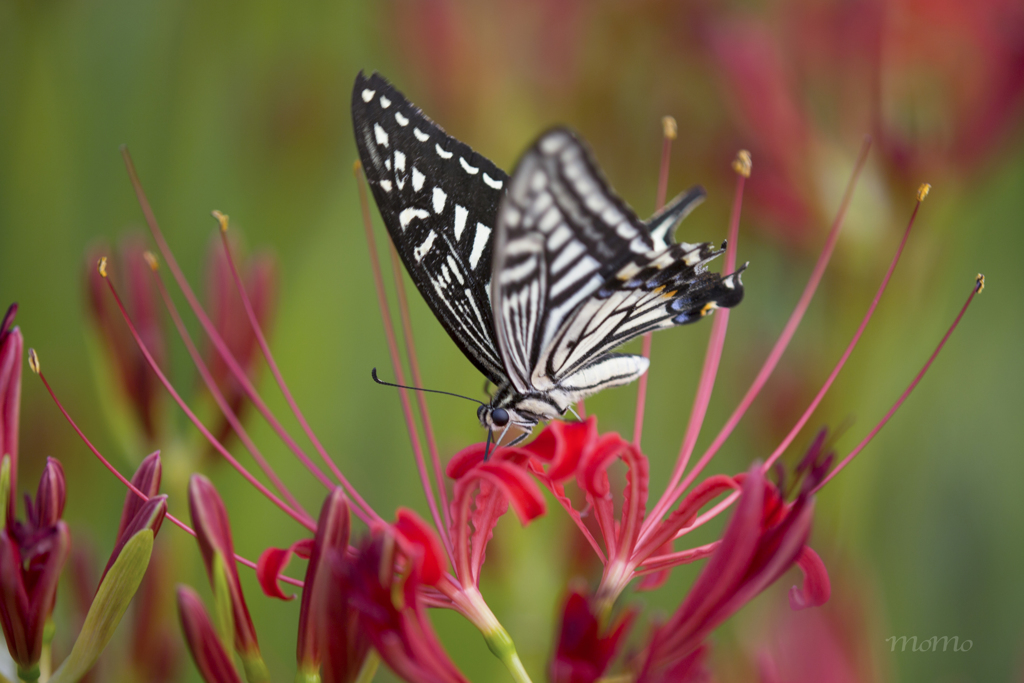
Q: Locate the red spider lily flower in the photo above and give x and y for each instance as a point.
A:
(210, 518)
(585, 649)
(139, 385)
(229, 317)
(391, 612)
(763, 540)
(380, 591)
(32, 555)
(212, 660)
(11, 353)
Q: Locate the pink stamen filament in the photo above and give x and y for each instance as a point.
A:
(722, 506)
(709, 372)
(297, 516)
(389, 333)
(131, 487)
(659, 204)
(675, 490)
(660, 562)
(421, 399)
(361, 509)
(558, 492)
(849, 348)
(282, 385)
(903, 397)
(222, 403)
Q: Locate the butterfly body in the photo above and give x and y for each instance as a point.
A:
(536, 276)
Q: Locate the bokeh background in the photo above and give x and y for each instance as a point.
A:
(243, 107)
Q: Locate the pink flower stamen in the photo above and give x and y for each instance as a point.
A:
(421, 399)
(302, 519)
(396, 363)
(978, 286)
(366, 513)
(128, 484)
(849, 348)
(222, 404)
(669, 134)
(261, 339)
(675, 489)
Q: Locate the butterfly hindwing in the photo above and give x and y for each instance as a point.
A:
(561, 234)
(439, 200)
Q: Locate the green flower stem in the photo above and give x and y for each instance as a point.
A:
(46, 660)
(473, 605)
(369, 668)
(500, 643)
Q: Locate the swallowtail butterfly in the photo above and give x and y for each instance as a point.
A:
(536, 276)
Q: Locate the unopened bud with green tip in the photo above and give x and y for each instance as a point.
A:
(117, 588)
(213, 531)
(211, 657)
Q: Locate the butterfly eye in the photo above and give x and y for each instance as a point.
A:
(499, 416)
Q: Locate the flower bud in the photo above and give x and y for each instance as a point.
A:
(212, 660)
(50, 495)
(332, 534)
(29, 573)
(139, 386)
(213, 531)
(145, 479)
(11, 351)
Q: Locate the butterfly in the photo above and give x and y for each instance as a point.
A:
(536, 276)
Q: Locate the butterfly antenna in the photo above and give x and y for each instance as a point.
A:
(373, 373)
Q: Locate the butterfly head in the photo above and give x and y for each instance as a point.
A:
(500, 420)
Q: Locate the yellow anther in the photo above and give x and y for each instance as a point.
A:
(33, 360)
(357, 167)
(151, 259)
(102, 266)
(981, 283)
(669, 127)
(222, 218)
(742, 163)
(923, 191)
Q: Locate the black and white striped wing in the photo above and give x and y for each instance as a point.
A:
(667, 288)
(561, 234)
(439, 200)
(577, 274)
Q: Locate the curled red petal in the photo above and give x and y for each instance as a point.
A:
(273, 562)
(562, 445)
(592, 470)
(414, 531)
(816, 588)
(465, 460)
(517, 486)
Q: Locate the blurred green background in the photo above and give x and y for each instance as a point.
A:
(243, 107)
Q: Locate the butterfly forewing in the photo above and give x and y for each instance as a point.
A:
(439, 200)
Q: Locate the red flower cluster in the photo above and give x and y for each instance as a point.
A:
(367, 599)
